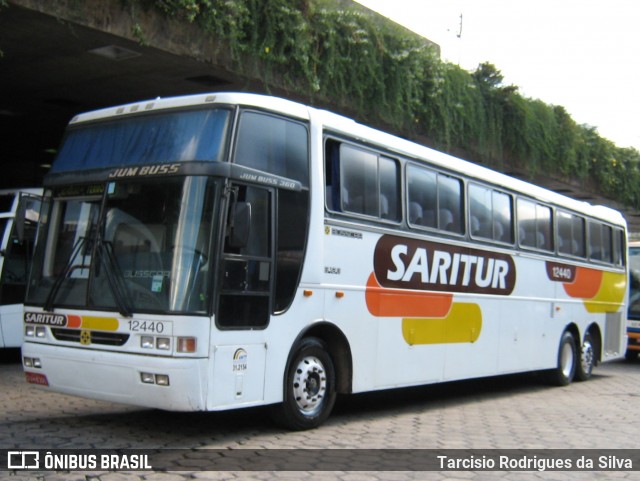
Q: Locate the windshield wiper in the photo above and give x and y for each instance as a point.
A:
(115, 279)
(69, 266)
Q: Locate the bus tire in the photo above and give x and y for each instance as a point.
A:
(309, 390)
(584, 368)
(563, 374)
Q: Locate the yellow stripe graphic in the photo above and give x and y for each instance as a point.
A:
(463, 323)
(611, 294)
(100, 323)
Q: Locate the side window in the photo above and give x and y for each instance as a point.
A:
(534, 225)
(490, 214)
(422, 192)
(450, 211)
(389, 175)
(618, 247)
(361, 181)
(544, 227)
(600, 242)
(434, 200)
(273, 144)
(571, 235)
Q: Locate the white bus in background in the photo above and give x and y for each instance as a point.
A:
(228, 250)
(16, 249)
(633, 315)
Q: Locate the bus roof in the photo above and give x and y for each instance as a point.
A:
(346, 126)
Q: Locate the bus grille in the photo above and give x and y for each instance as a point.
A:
(97, 337)
(613, 333)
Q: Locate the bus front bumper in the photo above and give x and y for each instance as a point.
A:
(174, 384)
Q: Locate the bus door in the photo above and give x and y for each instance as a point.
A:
(244, 294)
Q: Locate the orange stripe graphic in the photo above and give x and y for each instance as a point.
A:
(74, 321)
(586, 284)
(383, 302)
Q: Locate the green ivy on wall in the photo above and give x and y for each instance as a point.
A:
(332, 52)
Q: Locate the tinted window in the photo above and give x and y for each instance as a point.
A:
(600, 242)
(490, 214)
(534, 225)
(435, 200)
(618, 247)
(571, 235)
(273, 144)
(361, 181)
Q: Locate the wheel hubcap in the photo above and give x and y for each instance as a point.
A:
(587, 357)
(309, 385)
(566, 360)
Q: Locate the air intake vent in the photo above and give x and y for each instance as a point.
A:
(97, 337)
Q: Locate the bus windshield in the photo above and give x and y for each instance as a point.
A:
(154, 138)
(130, 246)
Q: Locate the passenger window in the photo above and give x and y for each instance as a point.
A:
(359, 176)
(423, 197)
(435, 200)
(618, 247)
(490, 214)
(600, 242)
(361, 181)
(450, 211)
(534, 225)
(571, 235)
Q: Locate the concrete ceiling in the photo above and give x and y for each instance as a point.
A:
(51, 70)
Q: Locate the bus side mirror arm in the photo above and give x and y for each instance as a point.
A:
(20, 220)
(240, 225)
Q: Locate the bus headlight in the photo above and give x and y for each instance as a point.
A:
(32, 362)
(163, 343)
(158, 379)
(29, 331)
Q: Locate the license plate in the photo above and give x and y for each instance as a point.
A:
(36, 378)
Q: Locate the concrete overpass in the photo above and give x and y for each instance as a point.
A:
(64, 57)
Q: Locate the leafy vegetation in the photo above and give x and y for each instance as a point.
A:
(334, 53)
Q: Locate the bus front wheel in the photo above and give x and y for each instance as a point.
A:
(309, 391)
(565, 370)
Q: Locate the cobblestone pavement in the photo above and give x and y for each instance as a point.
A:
(513, 412)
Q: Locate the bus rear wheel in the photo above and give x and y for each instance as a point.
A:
(309, 391)
(587, 362)
(565, 370)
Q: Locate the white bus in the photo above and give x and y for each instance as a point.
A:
(228, 250)
(16, 248)
(633, 313)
